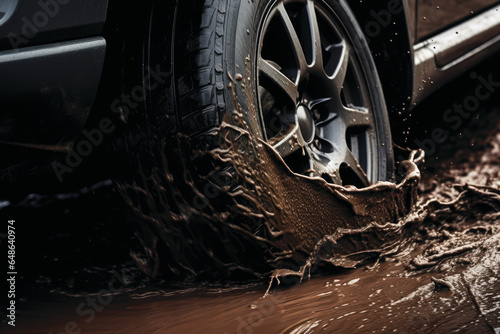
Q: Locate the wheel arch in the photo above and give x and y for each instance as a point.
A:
(391, 47)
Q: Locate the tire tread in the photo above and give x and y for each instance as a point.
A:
(200, 88)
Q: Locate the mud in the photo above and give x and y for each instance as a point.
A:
(237, 209)
(426, 251)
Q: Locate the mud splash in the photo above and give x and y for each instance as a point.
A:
(437, 273)
(320, 222)
(238, 211)
(437, 270)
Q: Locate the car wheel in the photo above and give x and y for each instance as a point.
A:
(316, 81)
(296, 75)
(306, 67)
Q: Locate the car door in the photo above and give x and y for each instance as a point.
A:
(436, 15)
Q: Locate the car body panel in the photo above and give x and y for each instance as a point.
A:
(51, 62)
(443, 57)
(48, 21)
(435, 16)
(47, 92)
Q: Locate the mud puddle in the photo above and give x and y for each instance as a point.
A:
(444, 279)
(382, 300)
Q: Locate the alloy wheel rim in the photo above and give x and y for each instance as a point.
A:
(314, 102)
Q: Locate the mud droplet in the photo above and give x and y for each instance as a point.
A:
(354, 281)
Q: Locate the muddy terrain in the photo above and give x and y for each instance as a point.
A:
(422, 256)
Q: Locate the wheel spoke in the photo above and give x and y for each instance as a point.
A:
(316, 40)
(288, 142)
(342, 64)
(353, 164)
(321, 169)
(331, 117)
(279, 79)
(357, 117)
(333, 128)
(316, 103)
(294, 39)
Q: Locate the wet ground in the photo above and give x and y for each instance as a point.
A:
(76, 275)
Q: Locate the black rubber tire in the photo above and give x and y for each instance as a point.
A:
(209, 43)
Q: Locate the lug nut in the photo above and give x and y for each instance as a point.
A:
(316, 114)
(317, 143)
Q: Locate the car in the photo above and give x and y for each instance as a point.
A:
(324, 81)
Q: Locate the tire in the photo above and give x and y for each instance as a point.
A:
(327, 95)
(222, 59)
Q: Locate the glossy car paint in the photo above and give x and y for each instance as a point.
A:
(51, 60)
(48, 21)
(437, 15)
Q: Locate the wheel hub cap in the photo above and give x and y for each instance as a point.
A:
(306, 123)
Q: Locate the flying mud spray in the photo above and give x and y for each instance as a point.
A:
(226, 207)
